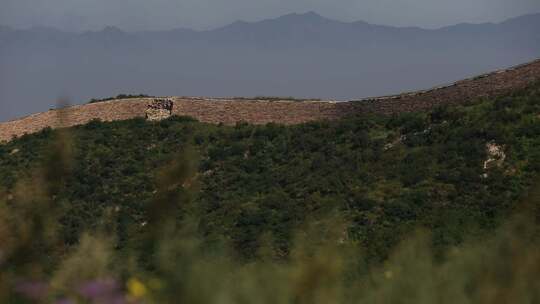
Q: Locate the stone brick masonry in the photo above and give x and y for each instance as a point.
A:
(159, 109)
(231, 111)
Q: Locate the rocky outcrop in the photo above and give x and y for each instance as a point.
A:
(231, 111)
(495, 156)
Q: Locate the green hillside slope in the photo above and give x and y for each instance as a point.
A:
(385, 175)
(256, 186)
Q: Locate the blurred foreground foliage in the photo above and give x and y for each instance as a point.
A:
(363, 210)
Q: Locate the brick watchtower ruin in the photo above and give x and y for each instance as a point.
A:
(159, 109)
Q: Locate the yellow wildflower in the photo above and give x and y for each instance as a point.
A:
(136, 288)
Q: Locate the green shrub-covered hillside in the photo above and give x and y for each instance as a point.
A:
(438, 207)
(455, 171)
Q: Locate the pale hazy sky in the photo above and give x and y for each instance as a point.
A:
(77, 15)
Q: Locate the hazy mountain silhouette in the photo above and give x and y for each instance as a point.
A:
(302, 55)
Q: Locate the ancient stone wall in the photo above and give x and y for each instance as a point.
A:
(231, 111)
(488, 85)
(76, 115)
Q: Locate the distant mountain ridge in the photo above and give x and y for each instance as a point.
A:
(293, 28)
(302, 28)
(301, 55)
(530, 20)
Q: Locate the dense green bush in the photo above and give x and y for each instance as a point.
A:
(120, 96)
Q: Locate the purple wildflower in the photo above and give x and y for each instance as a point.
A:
(98, 288)
(34, 290)
(106, 291)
